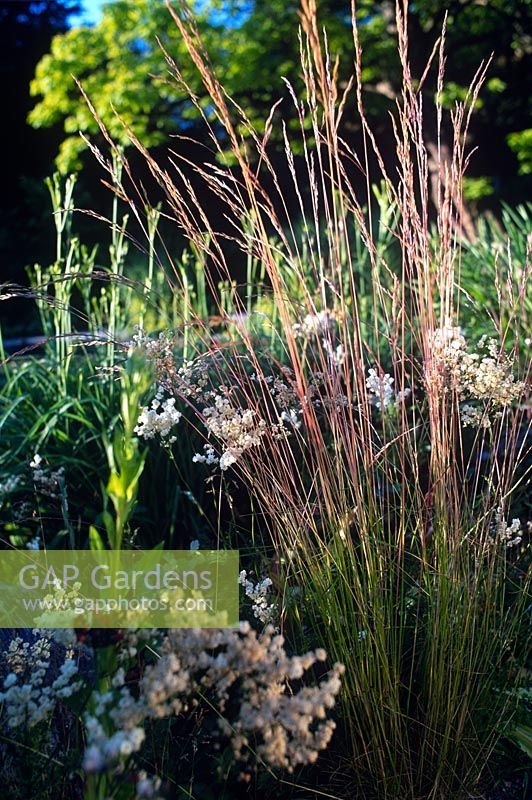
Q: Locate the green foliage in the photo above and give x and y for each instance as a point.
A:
(521, 144)
(255, 46)
(125, 456)
(522, 735)
(476, 188)
(120, 65)
(490, 267)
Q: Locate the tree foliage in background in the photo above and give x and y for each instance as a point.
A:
(120, 64)
(255, 45)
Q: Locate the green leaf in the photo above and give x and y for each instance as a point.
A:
(522, 736)
(115, 487)
(95, 540)
(17, 541)
(109, 523)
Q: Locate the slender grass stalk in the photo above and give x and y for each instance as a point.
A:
(387, 516)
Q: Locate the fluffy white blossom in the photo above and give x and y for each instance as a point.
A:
(485, 375)
(259, 594)
(474, 417)
(33, 544)
(207, 457)
(505, 532)
(159, 419)
(290, 417)
(247, 676)
(28, 697)
(236, 428)
(313, 324)
(284, 393)
(336, 354)
(380, 388)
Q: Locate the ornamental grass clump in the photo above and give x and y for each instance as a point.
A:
(381, 454)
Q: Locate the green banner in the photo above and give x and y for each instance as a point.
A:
(119, 589)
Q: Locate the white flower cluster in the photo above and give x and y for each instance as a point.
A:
(9, 485)
(489, 377)
(26, 698)
(292, 406)
(259, 594)
(21, 656)
(448, 339)
(159, 353)
(313, 324)
(485, 375)
(509, 534)
(287, 401)
(156, 350)
(283, 393)
(207, 457)
(103, 749)
(381, 391)
(33, 544)
(141, 341)
(336, 354)
(193, 379)
(474, 417)
(159, 419)
(246, 672)
(238, 429)
(57, 605)
(380, 388)
(147, 786)
(62, 598)
(290, 417)
(52, 483)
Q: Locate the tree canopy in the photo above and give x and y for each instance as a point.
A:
(254, 44)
